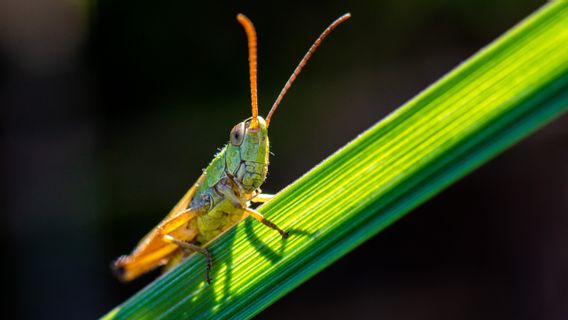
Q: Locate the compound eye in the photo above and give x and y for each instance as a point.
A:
(237, 134)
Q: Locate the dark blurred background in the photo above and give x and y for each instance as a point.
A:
(110, 109)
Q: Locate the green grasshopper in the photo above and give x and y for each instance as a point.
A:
(222, 195)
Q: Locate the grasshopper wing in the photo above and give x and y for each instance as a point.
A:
(153, 251)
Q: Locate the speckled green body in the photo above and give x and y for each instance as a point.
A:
(232, 179)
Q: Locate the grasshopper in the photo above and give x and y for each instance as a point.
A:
(222, 195)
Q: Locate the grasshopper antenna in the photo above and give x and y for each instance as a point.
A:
(251, 37)
(303, 63)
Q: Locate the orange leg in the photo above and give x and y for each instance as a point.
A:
(196, 248)
(258, 216)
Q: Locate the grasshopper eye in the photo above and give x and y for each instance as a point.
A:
(237, 134)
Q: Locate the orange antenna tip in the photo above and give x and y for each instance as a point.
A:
(251, 37)
(302, 63)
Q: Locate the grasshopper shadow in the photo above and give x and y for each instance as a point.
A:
(220, 291)
(227, 261)
(227, 295)
(265, 250)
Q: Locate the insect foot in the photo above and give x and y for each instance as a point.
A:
(271, 225)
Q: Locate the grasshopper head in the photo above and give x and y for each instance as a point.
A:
(247, 153)
(251, 142)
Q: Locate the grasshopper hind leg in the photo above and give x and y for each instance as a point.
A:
(192, 248)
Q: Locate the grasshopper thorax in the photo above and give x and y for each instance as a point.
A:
(247, 154)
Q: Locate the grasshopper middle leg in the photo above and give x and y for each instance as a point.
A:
(196, 248)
